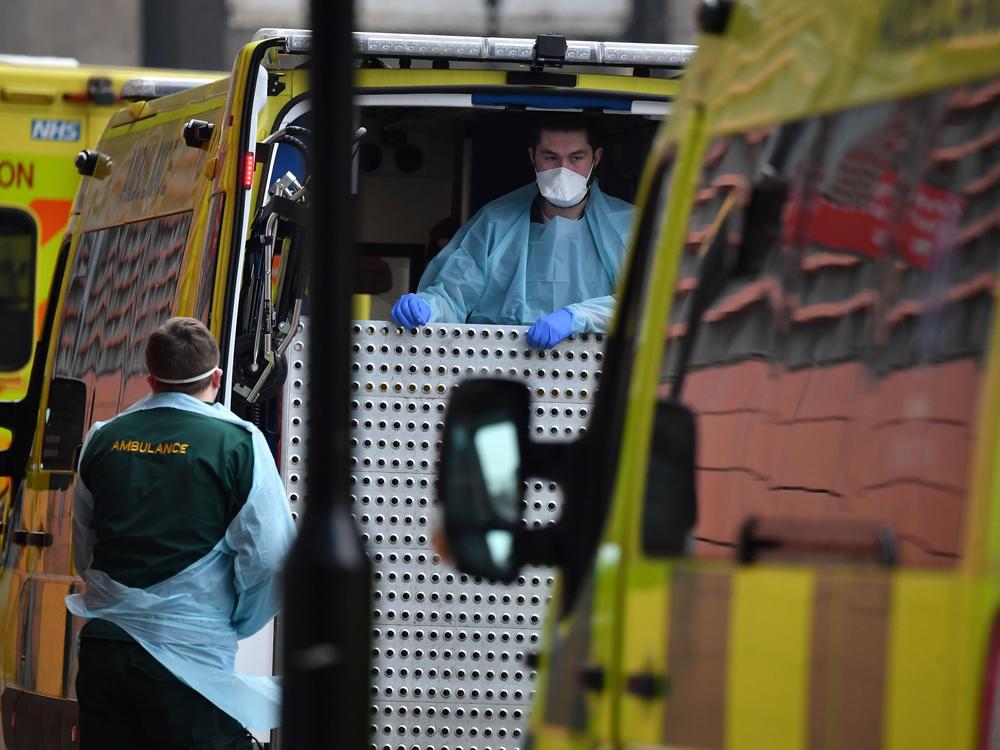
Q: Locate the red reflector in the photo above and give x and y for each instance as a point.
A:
(77, 97)
(248, 165)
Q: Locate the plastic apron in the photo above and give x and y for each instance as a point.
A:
(191, 622)
(493, 269)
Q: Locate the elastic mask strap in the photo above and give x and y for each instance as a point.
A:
(182, 381)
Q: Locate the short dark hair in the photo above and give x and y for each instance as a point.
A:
(568, 122)
(182, 348)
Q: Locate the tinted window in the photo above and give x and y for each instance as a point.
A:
(840, 381)
(17, 288)
(122, 285)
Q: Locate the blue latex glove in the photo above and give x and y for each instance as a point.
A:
(550, 329)
(410, 311)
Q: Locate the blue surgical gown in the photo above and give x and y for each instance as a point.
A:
(192, 621)
(501, 269)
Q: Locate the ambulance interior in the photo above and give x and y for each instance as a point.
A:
(420, 172)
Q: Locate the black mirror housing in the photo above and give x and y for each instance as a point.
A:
(64, 426)
(670, 507)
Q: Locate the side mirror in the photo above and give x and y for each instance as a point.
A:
(482, 470)
(670, 507)
(64, 422)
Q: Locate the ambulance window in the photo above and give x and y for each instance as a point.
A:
(122, 285)
(17, 288)
(840, 382)
(288, 159)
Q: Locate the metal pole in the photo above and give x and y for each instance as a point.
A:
(171, 40)
(492, 17)
(327, 577)
(648, 21)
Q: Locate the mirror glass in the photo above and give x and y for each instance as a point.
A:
(500, 461)
(482, 473)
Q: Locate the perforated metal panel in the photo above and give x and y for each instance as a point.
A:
(448, 668)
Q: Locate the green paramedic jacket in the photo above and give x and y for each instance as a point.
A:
(138, 522)
(166, 484)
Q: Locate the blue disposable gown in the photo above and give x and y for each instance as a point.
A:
(500, 269)
(191, 621)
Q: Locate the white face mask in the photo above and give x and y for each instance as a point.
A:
(562, 186)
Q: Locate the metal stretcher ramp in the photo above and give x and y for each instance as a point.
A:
(449, 666)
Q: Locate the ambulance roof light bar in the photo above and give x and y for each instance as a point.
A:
(493, 49)
(144, 89)
(40, 61)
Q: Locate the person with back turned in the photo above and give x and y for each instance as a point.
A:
(180, 527)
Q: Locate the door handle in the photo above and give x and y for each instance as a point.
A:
(25, 538)
(591, 678)
(646, 685)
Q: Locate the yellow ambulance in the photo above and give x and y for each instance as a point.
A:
(194, 204)
(50, 109)
(782, 529)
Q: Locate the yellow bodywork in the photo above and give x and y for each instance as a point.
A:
(736, 645)
(156, 177)
(37, 172)
(38, 175)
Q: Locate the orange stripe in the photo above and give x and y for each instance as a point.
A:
(53, 214)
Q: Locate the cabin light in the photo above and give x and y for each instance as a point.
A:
(420, 45)
(651, 55)
(297, 41)
(520, 50)
(585, 53)
(248, 167)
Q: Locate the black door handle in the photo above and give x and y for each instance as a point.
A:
(25, 538)
(646, 685)
(591, 678)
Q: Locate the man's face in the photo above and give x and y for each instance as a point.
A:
(569, 149)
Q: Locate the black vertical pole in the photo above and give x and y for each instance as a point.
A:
(648, 21)
(171, 40)
(492, 17)
(327, 577)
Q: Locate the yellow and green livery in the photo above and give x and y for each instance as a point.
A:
(782, 529)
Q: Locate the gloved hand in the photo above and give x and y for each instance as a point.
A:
(550, 329)
(410, 311)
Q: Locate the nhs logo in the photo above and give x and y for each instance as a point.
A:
(55, 130)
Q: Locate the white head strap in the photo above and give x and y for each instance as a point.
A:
(182, 381)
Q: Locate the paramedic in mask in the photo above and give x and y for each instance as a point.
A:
(180, 526)
(547, 255)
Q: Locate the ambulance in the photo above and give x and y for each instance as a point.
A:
(782, 527)
(51, 108)
(193, 203)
